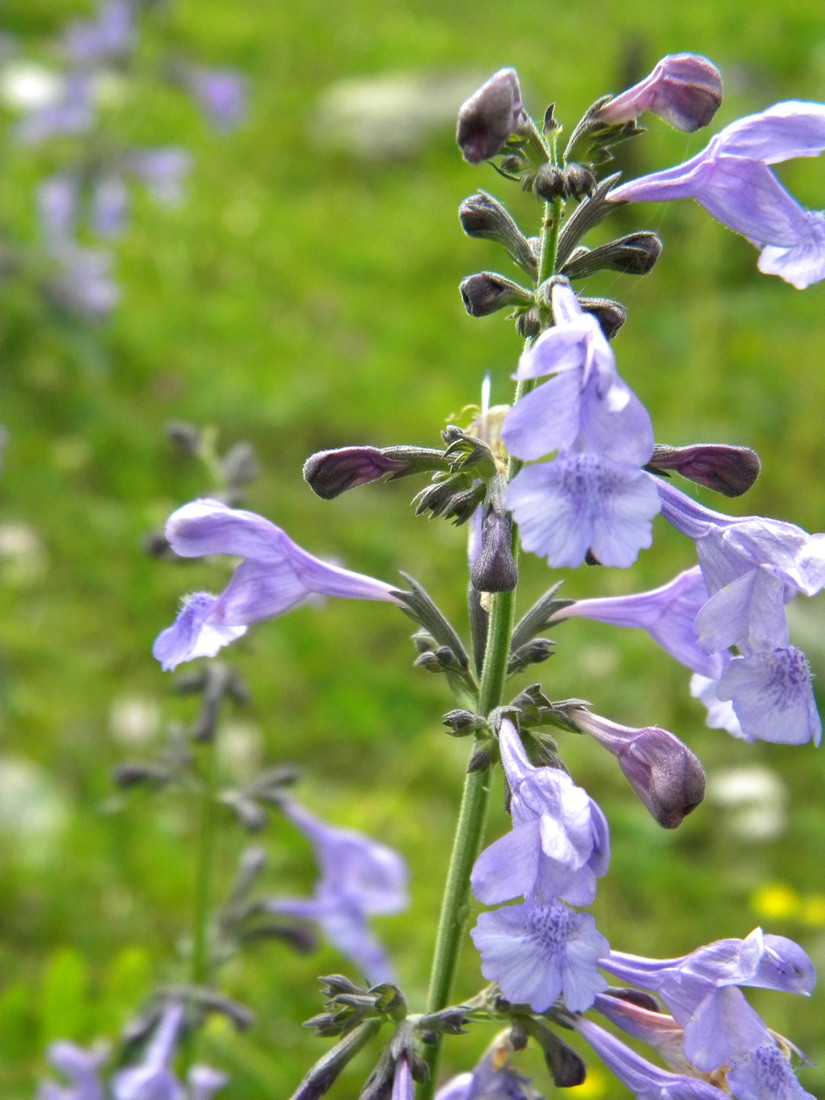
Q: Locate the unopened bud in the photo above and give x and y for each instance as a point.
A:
(663, 772)
(528, 324)
(495, 569)
(634, 254)
(329, 473)
(487, 292)
(726, 469)
(489, 116)
(610, 315)
(461, 722)
(484, 217)
(684, 89)
(573, 181)
(532, 653)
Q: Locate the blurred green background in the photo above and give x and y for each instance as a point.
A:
(305, 296)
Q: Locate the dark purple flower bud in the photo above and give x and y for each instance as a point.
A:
(487, 292)
(634, 254)
(684, 89)
(495, 569)
(489, 116)
(610, 315)
(663, 772)
(330, 473)
(726, 469)
(483, 216)
(572, 181)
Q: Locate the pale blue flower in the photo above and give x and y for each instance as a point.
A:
(667, 613)
(275, 576)
(492, 1079)
(731, 178)
(559, 843)
(80, 1067)
(538, 953)
(221, 94)
(645, 1080)
(360, 877)
(580, 504)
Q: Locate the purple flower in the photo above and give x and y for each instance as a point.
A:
(645, 1080)
(663, 772)
(162, 171)
(492, 1079)
(57, 200)
(72, 114)
(585, 406)
(731, 178)
(684, 89)
(359, 877)
(109, 205)
(221, 94)
(153, 1079)
(657, 1029)
(83, 283)
(402, 1082)
(112, 33)
(691, 986)
(275, 576)
(581, 505)
(81, 1067)
(559, 843)
(593, 497)
(667, 613)
(538, 953)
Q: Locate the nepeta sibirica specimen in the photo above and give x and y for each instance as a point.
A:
(571, 472)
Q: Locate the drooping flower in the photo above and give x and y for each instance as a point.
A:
(593, 497)
(359, 878)
(559, 843)
(643, 1078)
(732, 179)
(276, 574)
(684, 89)
(492, 1079)
(538, 953)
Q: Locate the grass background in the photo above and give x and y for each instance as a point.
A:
(303, 297)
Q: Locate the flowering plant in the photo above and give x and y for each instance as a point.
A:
(572, 474)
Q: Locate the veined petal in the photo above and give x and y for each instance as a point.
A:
(802, 263)
(746, 196)
(772, 696)
(509, 867)
(193, 634)
(784, 131)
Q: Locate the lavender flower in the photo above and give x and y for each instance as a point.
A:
(538, 953)
(731, 178)
(82, 283)
(693, 986)
(275, 576)
(359, 877)
(81, 1067)
(593, 497)
(72, 113)
(111, 34)
(559, 843)
(667, 613)
(221, 94)
(162, 171)
(645, 1080)
(684, 89)
(492, 1079)
(402, 1082)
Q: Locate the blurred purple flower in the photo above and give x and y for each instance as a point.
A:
(162, 171)
(275, 576)
(684, 89)
(153, 1078)
(82, 283)
(221, 94)
(57, 201)
(492, 1079)
(732, 180)
(645, 1080)
(73, 113)
(667, 613)
(559, 843)
(538, 953)
(111, 34)
(81, 1067)
(359, 877)
(109, 205)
